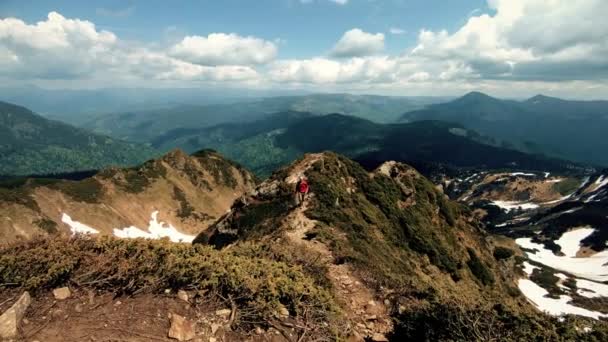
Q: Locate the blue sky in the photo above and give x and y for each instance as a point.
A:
(307, 29)
(410, 47)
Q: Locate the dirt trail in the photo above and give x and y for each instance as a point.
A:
(368, 315)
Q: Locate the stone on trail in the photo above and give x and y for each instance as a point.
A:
(10, 320)
(181, 328)
(183, 295)
(62, 293)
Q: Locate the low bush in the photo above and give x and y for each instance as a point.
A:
(503, 253)
(455, 322)
(479, 269)
(257, 284)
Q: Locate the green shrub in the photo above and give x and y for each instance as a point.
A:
(47, 225)
(455, 322)
(503, 253)
(479, 269)
(567, 186)
(257, 284)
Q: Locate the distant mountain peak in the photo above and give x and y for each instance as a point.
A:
(540, 98)
(476, 96)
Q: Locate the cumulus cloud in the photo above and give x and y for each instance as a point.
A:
(224, 49)
(68, 49)
(528, 39)
(357, 43)
(55, 48)
(544, 44)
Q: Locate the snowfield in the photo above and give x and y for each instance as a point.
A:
(556, 307)
(591, 289)
(77, 227)
(591, 270)
(156, 230)
(509, 205)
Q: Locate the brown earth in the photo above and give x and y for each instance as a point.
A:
(516, 187)
(89, 316)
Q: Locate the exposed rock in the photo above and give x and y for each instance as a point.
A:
(10, 320)
(183, 295)
(355, 338)
(181, 328)
(379, 338)
(223, 312)
(214, 328)
(62, 293)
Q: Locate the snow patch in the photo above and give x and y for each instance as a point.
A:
(529, 268)
(523, 174)
(77, 227)
(511, 205)
(591, 289)
(594, 267)
(570, 242)
(556, 307)
(156, 230)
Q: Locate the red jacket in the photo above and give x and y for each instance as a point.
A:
(302, 186)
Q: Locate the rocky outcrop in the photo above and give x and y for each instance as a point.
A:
(11, 319)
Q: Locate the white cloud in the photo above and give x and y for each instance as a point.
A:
(397, 31)
(528, 39)
(70, 49)
(357, 43)
(224, 49)
(57, 47)
(523, 47)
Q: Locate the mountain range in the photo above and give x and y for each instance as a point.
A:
(265, 144)
(32, 144)
(143, 125)
(573, 130)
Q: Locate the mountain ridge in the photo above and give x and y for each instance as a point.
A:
(32, 144)
(555, 127)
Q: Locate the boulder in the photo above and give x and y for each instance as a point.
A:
(181, 328)
(62, 293)
(10, 320)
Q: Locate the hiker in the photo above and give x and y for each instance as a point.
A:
(302, 190)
